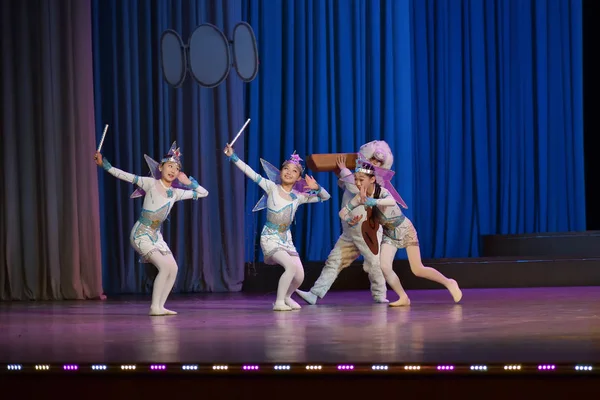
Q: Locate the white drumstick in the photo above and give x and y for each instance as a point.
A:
(239, 133)
(102, 140)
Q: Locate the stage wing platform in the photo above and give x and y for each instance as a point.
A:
(508, 261)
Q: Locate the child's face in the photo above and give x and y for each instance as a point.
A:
(290, 173)
(170, 171)
(375, 162)
(362, 179)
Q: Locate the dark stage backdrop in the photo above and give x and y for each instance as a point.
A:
(145, 116)
(49, 219)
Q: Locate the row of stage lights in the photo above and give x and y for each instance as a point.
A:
(303, 368)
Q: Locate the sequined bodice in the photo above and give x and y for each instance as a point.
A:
(154, 219)
(156, 209)
(280, 213)
(284, 216)
(158, 201)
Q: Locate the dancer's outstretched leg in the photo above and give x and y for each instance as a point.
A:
(342, 255)
(417, 268)
(388, 252)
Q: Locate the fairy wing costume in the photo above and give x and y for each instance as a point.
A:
(383, 177)
(172, 155)
(274, 175)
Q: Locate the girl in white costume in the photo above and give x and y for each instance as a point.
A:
(351, 243)
(284, 193)
(398, 231)
(160, 196)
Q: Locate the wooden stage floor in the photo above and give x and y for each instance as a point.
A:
(538, 325)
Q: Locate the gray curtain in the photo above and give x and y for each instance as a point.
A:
(49, 214)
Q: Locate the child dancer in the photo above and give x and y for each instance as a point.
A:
(161, 193)
(398, 231)
(351, 243)
(284, 193)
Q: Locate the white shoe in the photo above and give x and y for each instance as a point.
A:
(281, 306)
(156, 312)
(381, 300)
(292, 304)
(308, 297)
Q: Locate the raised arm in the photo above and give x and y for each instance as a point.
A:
(344, 175)
(142, 182)
(321, 195)
(351, 187)
(315, 188)
(385, 200)
(352, 204)
(194, 190)
(265, 184)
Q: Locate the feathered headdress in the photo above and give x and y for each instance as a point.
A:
(379, 150)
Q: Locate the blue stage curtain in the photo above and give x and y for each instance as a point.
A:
(333, 75)
(498, 120)
(145, 116)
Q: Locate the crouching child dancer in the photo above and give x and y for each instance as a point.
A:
(398, 231)
(285, 190)
(351, 243)
(161, 191)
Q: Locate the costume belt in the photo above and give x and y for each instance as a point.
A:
(151, 224)
(393, 224)
(280, 228)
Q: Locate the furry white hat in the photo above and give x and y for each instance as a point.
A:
(379, 150)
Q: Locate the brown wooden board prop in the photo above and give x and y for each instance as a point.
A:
(369, 230)
(327, 162)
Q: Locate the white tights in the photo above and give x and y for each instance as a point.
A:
(416, 266)
(167, 273)
(292, 277)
